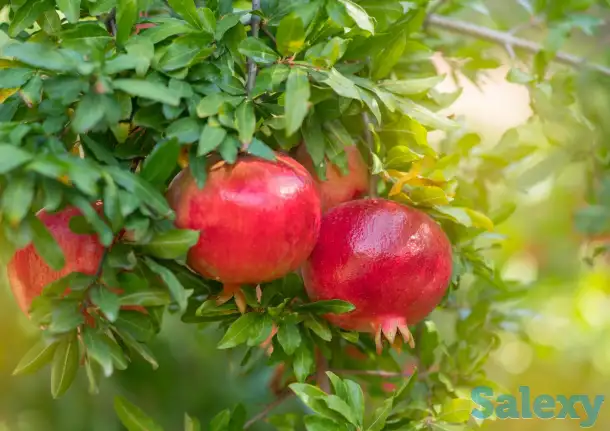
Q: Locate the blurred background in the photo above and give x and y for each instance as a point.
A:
(568, 351)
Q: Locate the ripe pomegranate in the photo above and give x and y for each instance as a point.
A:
(259, 220)
(28, 273)
(339, 188)
(391, 261)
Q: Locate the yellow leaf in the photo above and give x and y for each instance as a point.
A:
(404, 178)
(5, 93)
(457, 410)
(7, 64)
(480, 219)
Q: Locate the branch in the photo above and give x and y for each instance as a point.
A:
(270, 407)
(255, 23)
(368, 137)
(508, 40)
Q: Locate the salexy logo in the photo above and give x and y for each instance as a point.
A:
(507, 406)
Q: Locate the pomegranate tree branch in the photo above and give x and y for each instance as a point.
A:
(255, 23)
(286, 394)
(508, 40)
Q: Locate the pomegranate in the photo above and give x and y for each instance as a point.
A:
(259, 220)
(28, 273)
(391, 261)
(339, 188)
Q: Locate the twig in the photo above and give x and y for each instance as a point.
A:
(368, 137)
(270, 35)
(270, 407)
(506, 39)
(111, 22)
(375, 373)
(255, 23)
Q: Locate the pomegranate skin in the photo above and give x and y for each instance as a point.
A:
(392, 262)
(259, 219)
(27, 271)
(339, 188)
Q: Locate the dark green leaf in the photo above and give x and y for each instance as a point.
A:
(148, 90)
(161, 162)
(148, 195)
(17, 198)
(36, 358)
(97, 349)
(260, 149)
(245, 121)
(229, 149)
(171, 244)
(165, 28)
(145, 298)
(304, 361)
(179, 294)
(89, 111)
(226, 23)
(12, 157)
(26, 15)
(386, 59)
(258, 51)
(45, 244)
(14, 77)
(139, 348)
(319, 327)
(188, 11)
(66, 316)
(106, 301)
(105, 234)
(314, 139)
(359, 15)
(186, 51)
(334, 306)
(381, 415)
(239, 331)
(296, 104)
(132, 417)
(64, 366)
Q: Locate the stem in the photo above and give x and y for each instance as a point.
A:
(270, 407)
(111, 22)
(508, 40)
(368, 137)
(255, 23)
(321, 369)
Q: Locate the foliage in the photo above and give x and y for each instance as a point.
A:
(108, 100)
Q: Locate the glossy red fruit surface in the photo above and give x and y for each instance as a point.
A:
(339, 188)
(391, 261)
(28, 273)
(259, 219)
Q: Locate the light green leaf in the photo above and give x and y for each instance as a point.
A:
(36, 358)
(106, 301)
(257, 50)
(14, 77)
(188, 11)
(245, 121)
(408, 87)
(297, 100)
(290, 35)
(186, 51)
(171, 244)
(132, 417)
(165, 28)
(424, 115)
(211, 137)
(260, 149)
(148, 194)
(70, 8)
(229, 148)
(27, 14)
(17, 198)
(179, 294)
(319, 327)
(304, 361)
(148, 90)
(210, 105)
(191, 423)
(239, 331)
(359, 15)
(387, 58)
(65, 365)
(45, 244)
(126, 17)
(97, 349)
(334, 306)
(145, 298)
(339, 83)
(88, 113)
(340, 406)
(319, 423)
(208, 20)
(289, 337)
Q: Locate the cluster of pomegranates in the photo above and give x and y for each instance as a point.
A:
(260, 220)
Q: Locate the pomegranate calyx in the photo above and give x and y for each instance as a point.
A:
(389, 328)
(231, 291)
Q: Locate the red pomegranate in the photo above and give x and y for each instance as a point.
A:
(339, 188)
(28, 273)
(392, 262)
(259, 220)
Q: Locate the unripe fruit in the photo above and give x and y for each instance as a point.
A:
(28, 273)
(391, 261)
(339, 188)
(259, 219)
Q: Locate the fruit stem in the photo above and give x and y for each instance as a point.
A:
(368, 137)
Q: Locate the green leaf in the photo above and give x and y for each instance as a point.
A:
(134, 184)
(307, 393)
(145, 298)
(319, 327)
(359, 15)
(355, 398)
(593, 220)
(45, 244)
(191, 423)
(161, 162)
(188, 11)
(126, 17)
(97, 349)
(165, 28)
(239, 331)
(64, 366)
(229, 149)
(339, 83)
(208, 20)
(36, 358)
(226, 23)
(245, 121)
(179, 294)
(132, 417)
(296, 104)
(211, 137)
(70, 8)
(186, 51)
(381, 415)
(290, 35)
(259, 149)
(17, 198)
(304, 361)
(89, 111)
(135, 324)
(257, 50)
(335, 306)
(210, 105)
(314, 139)
(66, 317)
(261, 329)
(319, 423)
(424, 115)
(39, 55)
(340, 406)
(148, 90)
(106, 301)
(105, 234)
(27, 14)
(171, 244)
(14, 77)
(12, 157)
(412, 86)
(386, 59)
(139, 348)
(289, 336)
